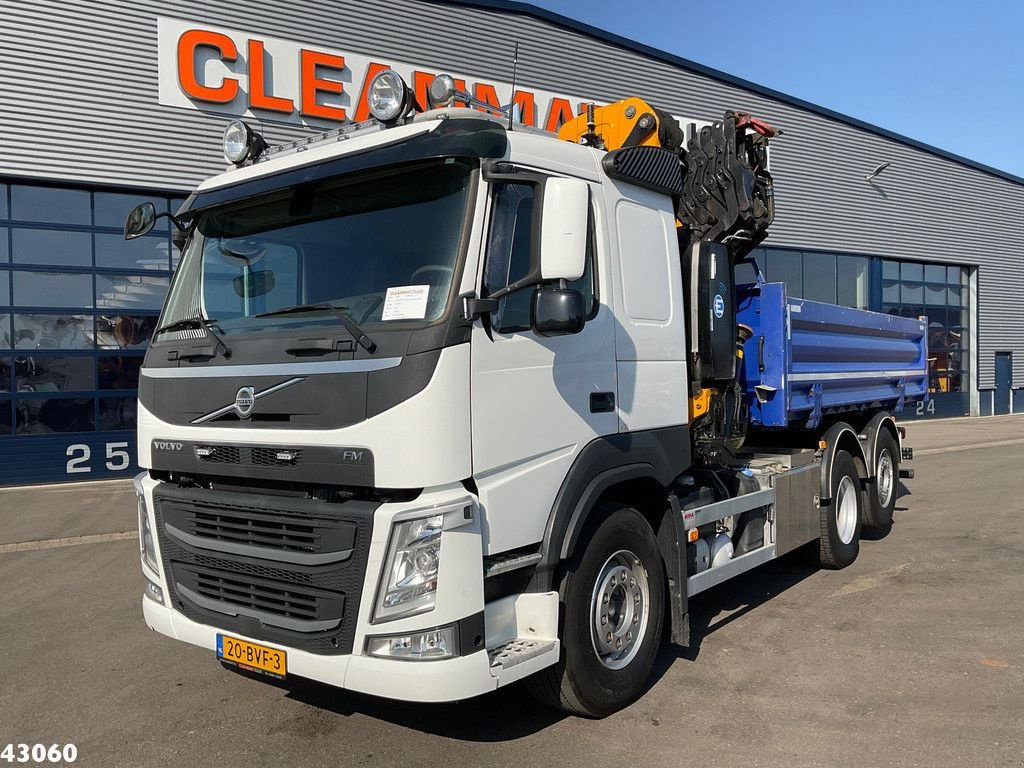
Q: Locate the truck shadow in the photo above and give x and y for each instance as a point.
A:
(504, 715)
(511, 713)
(736, 598)
(901, 493)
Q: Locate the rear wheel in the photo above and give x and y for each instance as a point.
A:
(839, 544)
(882, 496)
(613, 592)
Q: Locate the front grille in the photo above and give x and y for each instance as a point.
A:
(283, 569)
(254, 530)
(249, 456)
(231, 591)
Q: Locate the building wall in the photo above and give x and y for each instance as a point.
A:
(78, 102)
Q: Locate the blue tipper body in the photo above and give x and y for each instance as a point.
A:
(807, 359)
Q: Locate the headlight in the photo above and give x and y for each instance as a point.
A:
(410, 577)
(242, 143)
(147, 545)
(389, 96)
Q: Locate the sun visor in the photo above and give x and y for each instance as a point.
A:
(456, 137)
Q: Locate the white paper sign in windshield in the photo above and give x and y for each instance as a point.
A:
(407, 302)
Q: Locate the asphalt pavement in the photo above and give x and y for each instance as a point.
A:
(913, 656)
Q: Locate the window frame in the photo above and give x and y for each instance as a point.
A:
(532, 280)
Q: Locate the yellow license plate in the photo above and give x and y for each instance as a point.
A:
(257, 658)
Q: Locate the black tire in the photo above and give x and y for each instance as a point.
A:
(883, 490)
(840, 522)
(581, 683)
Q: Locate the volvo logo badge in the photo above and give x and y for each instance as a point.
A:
(244, 402)
(165, 445)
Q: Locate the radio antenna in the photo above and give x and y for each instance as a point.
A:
(512, 99)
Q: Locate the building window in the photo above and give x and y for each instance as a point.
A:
(853, 281)
(906, 288)
(819, 277)
(79, 307)
(937, 292)
(832, 278)
(50, 205)
(786, 267)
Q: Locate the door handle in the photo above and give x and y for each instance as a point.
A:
(602, 402)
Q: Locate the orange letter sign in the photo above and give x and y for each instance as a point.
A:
(258, 96)
(559, 111)
(311, 84)
(487, 94)
(527, 107)
(187, 45)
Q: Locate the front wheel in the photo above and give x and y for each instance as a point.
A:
(613, 593)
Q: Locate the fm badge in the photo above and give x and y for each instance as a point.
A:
(244, 402)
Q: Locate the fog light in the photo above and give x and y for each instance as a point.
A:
(154, 592)
(389, 96)
(433, 644)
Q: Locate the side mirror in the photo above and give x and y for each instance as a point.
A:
(556, 311)
(250, 284)
(563, 232)
(140, 221)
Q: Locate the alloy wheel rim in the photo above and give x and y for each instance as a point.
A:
(846, 509)
(619, 609)
(884, 482)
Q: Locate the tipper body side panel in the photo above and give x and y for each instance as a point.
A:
(807, 359)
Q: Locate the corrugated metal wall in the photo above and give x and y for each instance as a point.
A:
(78, 101)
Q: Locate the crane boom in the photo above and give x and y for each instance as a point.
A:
(727, 187)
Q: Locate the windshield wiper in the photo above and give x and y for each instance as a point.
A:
(341, 313)
(189, 323)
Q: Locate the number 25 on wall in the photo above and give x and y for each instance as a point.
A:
(80, 453)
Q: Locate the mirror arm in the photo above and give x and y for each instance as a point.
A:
(500, 293)
(174, 220)
(475, 307)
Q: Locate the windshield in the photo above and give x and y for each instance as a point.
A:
(383, 247)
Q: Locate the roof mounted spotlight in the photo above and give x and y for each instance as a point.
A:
(442, 91)
(389, 98)
(242, 143)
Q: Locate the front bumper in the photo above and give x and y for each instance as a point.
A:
(423, 681)
(459, 599)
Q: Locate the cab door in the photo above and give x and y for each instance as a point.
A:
(536, 401)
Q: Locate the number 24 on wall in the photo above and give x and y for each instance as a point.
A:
(80, 453)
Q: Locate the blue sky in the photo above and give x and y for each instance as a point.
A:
(950, 74)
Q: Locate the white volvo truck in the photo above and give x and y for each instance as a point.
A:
(439, 402)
